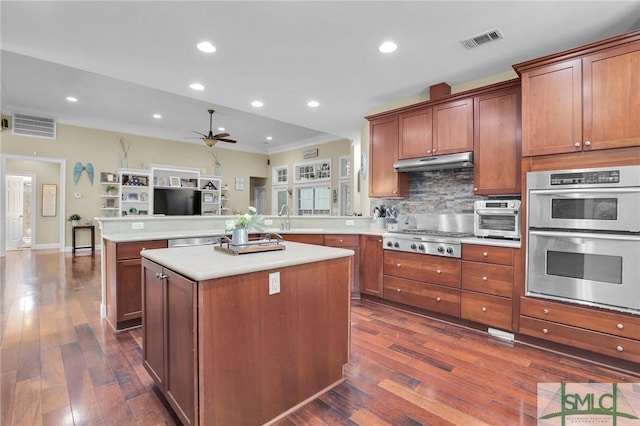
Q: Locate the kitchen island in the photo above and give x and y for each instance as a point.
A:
(223, 350)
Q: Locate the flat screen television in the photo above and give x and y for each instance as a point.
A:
(177, 201)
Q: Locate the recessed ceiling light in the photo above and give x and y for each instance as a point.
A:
(157, 116)
(269, 138)
(72, 99)
(313, 104)
(257, 104)
(221, 129)
(196, 86)
(206, 47)
(388, 47)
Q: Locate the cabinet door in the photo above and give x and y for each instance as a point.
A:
(496, 145)
(351, 242)
(317, 239)
(181, 348)
(153, 322)
(453, 127)
(416, 129)
(129, 293)
(552, 109)
(371, 265)
(383, 152)
(610, 94)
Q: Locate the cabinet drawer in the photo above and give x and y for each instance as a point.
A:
(131, 250)
(342, 240)
(491, 310)
(578, 316)
(488, 254)
(427, 296)
(317, 239)
(420, 267)
(606, 344)
(488, 278)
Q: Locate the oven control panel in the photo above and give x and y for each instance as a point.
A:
(585, 178)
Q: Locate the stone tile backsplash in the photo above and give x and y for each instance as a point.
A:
(443, 191)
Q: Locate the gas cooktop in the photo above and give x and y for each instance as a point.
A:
(425, 241)
(433, 233)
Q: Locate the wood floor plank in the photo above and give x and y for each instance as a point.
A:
(27, 407)
(7, 393)
(113, 406)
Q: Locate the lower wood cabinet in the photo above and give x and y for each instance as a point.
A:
(423, 295)
(486, 309)
(371, 265)
(317, 239)
(123, 283)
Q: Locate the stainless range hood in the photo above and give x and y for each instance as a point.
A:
(449, 161)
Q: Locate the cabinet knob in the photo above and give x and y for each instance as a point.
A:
(545, 331)
(434, 150)
(619, 348)
(620, 327)
(475, 189)
(341, 241)
(485, 254)
(158, 274)
(438, 271)
(484, 278)
(577, 144)
(379, 241)
(398, 265)
(587, 143)
(545, 311)
(429, 151)
(484, 309)
(398, 290)
(438, 299)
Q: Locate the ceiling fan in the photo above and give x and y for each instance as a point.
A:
(212, 139)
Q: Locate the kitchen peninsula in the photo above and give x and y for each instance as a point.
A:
(244, 339)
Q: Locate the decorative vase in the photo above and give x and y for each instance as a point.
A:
(125, 162)
(240, 237)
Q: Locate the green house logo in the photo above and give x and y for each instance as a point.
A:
(587, 404)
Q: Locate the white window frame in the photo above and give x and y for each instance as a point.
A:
(275, 176)
(315, 184)
(345, 159)
(275, 208)
(316, 168)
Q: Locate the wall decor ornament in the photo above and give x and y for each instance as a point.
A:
(49, 199)
(77, 171)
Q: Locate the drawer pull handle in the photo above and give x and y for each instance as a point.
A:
(545, 331)
(484, 309)
(620, 327)
(545, 311)
(485, 254)
(438, 299)
(438, 271)
(484, 278)
(398, 290)
(619, 348)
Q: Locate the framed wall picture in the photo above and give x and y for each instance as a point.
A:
(207, 197)
(49, 199)
(132, 196)
(174, 181)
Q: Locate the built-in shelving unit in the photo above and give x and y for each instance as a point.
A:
(110, 196)
(211, 195)
(135, 192)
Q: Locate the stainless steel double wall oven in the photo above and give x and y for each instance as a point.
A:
(583, 229)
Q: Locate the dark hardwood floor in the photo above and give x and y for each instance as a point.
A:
(61, 364)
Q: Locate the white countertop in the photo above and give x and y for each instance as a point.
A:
(201, 263)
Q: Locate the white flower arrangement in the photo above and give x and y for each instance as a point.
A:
(249, 220)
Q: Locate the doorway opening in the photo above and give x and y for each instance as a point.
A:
(19, 211)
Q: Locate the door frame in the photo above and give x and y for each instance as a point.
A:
(62, 163)
(32, 219)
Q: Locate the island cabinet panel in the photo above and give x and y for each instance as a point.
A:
(225, 352)
(123, 284)
(371, 265)
(351, 242)
(384, 181)
(317, 239)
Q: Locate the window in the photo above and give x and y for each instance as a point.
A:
(280, 175)
(345, 167)
(313, 200)
(345, 198)
(278, 199)
(316, 170)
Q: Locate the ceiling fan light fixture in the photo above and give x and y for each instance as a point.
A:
(206, 47)
(196, 86)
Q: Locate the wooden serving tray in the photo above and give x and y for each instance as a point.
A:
(249, 248)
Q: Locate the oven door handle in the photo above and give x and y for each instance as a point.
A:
(497, 212)
(574, 192)
(598, 236)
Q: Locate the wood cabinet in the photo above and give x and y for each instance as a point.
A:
(317, 239)
(593, 329)
(384, 181)
(424, 281)
(169, 352)
(583, 99)
(371, 265)
(497, 147)
(351, 242)
(416, 133)
(453, 127)
(123, 283)
(487, 285)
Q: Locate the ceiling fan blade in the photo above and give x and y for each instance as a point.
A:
(226, 140)
(221, 135)
(198, 133)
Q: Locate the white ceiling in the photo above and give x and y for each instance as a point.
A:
(125, 61)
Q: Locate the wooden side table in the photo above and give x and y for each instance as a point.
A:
(74, 229)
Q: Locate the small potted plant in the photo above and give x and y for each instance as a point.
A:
(111, 190)
(75, 219)
(243, 224)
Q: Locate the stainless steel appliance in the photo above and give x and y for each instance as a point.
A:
(497, 219)
(434, 234)
(583, 229)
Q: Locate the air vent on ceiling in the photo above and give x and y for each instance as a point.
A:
(30, 125)
(480, 39)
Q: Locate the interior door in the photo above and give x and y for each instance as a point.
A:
(14, 211)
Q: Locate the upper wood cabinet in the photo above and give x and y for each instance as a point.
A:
(416, 134)
(384, 181)
(496, 147)
(583, 99)
(453, 127)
